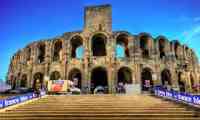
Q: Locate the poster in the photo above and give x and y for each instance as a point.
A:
(57, 85)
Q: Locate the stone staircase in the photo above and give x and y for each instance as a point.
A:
(101, 107)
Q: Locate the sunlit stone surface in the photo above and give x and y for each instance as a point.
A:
(142, 61)
(100, 107)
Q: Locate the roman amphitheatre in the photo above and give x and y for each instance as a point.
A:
(146, 59)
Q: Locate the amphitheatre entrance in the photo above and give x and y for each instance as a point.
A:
(124, 75)
(76, 77)
(38, 80)
(99, 77)
(146, 77)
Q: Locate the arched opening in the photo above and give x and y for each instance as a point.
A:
(122, 49)
(55, 76)
(192, 81)
(38, 80)
(23, 82)
(41, 52)
(76, 45)
(176, 47)
(124, 75)
(28, 56)
(181, 83)
(144, 45)
(99, 45)
(186, 49)
(11, 79)
(57, 54)
(75, 76)
(99, 77)
(146, 77)
(162, 43)
(166, 77)
(18, 79)
(14, 83)
(171, 46)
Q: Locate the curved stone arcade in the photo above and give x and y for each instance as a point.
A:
(147, 61)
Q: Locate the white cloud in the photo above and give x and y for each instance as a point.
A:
(191, 38)
(191, 34)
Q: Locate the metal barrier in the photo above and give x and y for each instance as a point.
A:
(18, 99)
(177, 96)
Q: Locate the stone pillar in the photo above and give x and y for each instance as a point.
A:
(87, 65)
(114, 79)
(110, 82)
(48, 60)
(115, 76)
(138, 73)
(174, 78)
(89, 72)
(187, 82)
(151, 48)
(35, 53)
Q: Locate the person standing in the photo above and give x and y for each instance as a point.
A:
(37, 88)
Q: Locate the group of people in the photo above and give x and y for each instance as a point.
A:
(38, 88)
(100, 89)
(121, 88)
(73, 87)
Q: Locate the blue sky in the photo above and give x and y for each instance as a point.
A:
(24, 21)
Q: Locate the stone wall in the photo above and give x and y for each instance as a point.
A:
(168, 62)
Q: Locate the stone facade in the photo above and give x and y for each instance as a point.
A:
(147, 60)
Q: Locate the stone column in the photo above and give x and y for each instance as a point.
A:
(110, 79)
(87, 65)
(138, 73)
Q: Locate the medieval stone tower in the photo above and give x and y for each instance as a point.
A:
(146, 62)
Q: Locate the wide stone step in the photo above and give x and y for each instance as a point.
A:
(103, 102)
(100, 109)
(95, 106)
(96, 118)
(99, 115)
(104, 107)
(99, 112)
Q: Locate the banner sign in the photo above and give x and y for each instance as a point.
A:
(18, 99)
(177, 96)
(57, 85)
(1, 103)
